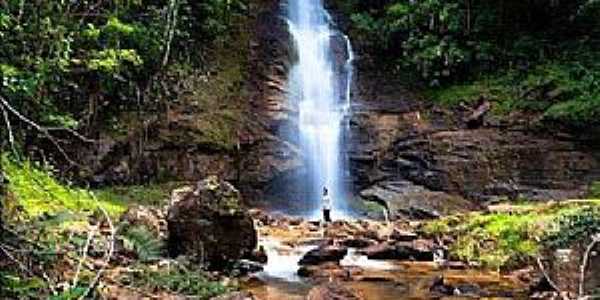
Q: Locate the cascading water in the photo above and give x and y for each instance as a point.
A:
(320, 88)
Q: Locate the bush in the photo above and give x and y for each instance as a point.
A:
(574, 226)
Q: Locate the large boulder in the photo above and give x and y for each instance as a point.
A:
(417, 250)
(210, 224)
(327, 253)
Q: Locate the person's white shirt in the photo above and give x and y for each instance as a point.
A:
(326, 202)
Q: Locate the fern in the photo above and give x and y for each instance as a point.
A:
(143, 243)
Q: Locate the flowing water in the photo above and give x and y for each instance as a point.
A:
(377, 280)
(320, 87)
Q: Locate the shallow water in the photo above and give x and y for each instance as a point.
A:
(379, 280)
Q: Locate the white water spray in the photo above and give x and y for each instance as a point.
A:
(320, 87)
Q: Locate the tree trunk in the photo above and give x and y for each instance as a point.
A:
(170, 31)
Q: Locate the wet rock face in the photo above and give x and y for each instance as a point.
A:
(269, 153)
(485, 163)
(210, 224)
(422, 167)
(403, 199)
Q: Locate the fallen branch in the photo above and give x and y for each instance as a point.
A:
(550, 281)
(83, 257)
(109, 253)
(584, 265)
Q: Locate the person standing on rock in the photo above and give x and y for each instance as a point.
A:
(326, 202)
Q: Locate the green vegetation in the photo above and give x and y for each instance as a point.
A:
(146, 246)
(152, 195)
(36, 193)
(539, 57)
(79, 64)
(594, 190)
(573, 226)
(567, 91)
(509, 239)
(177, 279)
(51, 224)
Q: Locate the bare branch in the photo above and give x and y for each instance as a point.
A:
(584, 265)
(74, 133)
(16, 261)
(109, 253)
(83, 257)
(26, 270)
(11, 137)
(550, 281)
(39, 128)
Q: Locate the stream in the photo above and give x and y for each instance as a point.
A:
(286, 244)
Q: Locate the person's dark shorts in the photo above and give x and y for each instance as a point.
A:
(327, 215)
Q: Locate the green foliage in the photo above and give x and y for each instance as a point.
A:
(177, 279)
(574, 226)
(594, 190)
(506, 239)
(70, 294)
(140, 240)
(12, 286)
(111, 60)
(152, 195)
(38, 193)
(563, 90)
(496, 240)
(448, 41)
(69, 63)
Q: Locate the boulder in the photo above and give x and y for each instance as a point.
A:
(209, 224)
(333, 291)
(418, 250)
(357, 242)
(380, 251)
(151, 218)
(259, 255)
(476, 118)
(406, 200)
(403, 236)
(327, 253)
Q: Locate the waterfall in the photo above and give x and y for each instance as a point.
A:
(319, 85)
